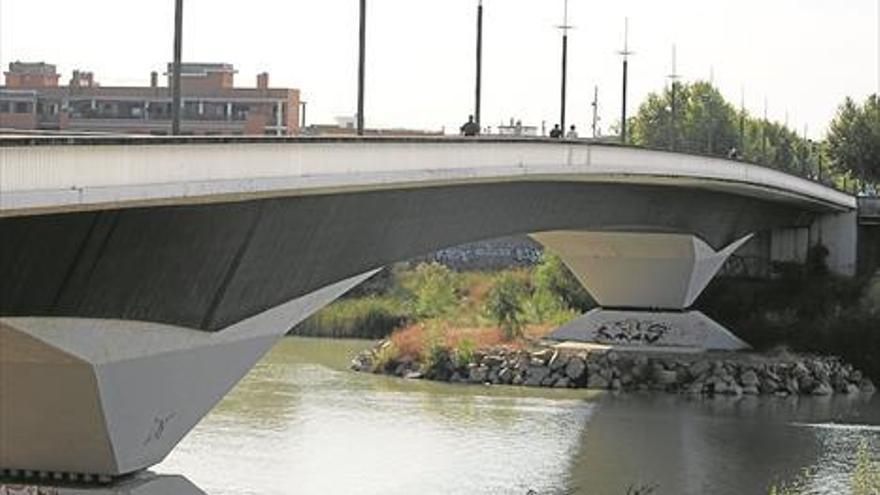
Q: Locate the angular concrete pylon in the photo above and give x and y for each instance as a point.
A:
(109, 397)
(643, 281)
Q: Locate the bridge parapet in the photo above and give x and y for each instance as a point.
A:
(869, 211)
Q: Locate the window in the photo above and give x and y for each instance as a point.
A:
(4, 107)
(22, 107)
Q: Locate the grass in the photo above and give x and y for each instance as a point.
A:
(370, 317)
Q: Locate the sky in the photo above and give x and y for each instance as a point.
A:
(803, 56)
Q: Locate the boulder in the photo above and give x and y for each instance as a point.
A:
(699, 369)
(478, 374)
(823, 388)
(535, 375)
(750, 390)
(665, 377)
(749, 379)
(505, 375)
(558, 361)
(543, 355)
(575, 368)
(597, 381)
(562, 382)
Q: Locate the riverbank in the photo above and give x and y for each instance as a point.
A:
(715, 373)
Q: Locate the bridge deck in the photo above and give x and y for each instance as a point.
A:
(58, 174)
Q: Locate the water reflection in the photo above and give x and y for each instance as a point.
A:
(146, 483)
(300, 423)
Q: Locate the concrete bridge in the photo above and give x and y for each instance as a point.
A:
(141, 278)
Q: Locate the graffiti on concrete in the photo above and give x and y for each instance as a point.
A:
(632, 331)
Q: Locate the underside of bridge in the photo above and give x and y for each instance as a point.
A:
(121, 328)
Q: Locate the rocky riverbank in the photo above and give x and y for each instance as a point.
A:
(780, 374)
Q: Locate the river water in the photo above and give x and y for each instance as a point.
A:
(301, 423)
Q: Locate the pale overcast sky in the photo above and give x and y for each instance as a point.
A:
(804, 55)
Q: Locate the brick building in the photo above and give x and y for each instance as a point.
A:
(33, 99)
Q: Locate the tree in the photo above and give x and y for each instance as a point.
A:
(504, 305)
(704, 121)
(854, 139)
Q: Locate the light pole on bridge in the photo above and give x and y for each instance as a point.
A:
(479, 77)
(564, 27)
(175, 69)
(625, 53)
(361, 66)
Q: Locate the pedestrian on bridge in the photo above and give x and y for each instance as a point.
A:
(572, 133)
(470, 128)
(556, 132)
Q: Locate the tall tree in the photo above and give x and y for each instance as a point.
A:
(704, 121)
(854, 139)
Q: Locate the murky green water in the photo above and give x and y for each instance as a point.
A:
(300, 423)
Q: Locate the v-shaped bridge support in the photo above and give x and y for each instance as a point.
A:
(645, 284)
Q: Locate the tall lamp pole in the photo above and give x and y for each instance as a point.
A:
(479, 81)
(564, 27)
(674, 77)
(361, 67)
(625, 53)
(175, 69)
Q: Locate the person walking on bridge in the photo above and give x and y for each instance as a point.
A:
(556, 132)
(470, 128)
(572, 133)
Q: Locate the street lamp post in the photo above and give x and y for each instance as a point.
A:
(674, 76)
(564, 27)
(479, 77)
(361, 66)
(626, 53)
(175, 69)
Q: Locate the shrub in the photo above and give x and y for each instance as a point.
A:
(553, 277)
(504, 305)
(465, 352)
(368, 318)
(435, 289)
(385, 356)
(435, 355)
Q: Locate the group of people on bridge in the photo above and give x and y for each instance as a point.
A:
(472, 128)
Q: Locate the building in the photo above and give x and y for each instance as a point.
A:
(33, 99)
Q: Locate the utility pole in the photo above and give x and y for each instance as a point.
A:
(175, 68)
(625, 53)
(479, 81)
(595, 106)
(806, 166)
(564, 27)
(362, 67)
(742, 121)
(764, 134)
(674, 77)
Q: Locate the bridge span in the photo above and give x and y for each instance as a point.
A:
(140, 278)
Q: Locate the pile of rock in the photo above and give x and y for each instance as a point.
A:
(729, 374)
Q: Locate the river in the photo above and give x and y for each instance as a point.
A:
(301, 423)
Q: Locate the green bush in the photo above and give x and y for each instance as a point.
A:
(465, 352)
(806, 312)
(435, 291)
(552, 277)
(504, 305)
(367, 318)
